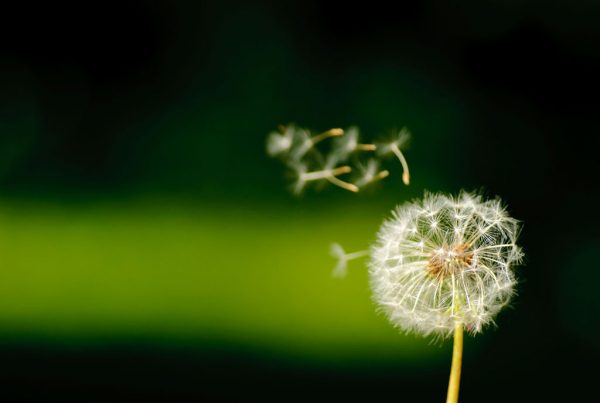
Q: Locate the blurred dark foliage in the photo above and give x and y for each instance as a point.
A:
(179, 95)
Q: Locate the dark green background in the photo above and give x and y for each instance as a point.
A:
(149, 248)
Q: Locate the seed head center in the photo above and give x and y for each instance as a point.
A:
(449, 260)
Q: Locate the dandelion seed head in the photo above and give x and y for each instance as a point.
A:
(444, 260)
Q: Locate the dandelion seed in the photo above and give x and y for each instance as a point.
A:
(370, 173)
(348, 143)
(343, 146)
(303, 177)
(394, 146)
(343, 258)
(306, 142)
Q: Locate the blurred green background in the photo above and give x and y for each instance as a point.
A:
(150, 250)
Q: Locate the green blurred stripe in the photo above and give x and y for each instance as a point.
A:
(259, 275)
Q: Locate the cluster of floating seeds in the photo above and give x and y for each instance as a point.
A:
(347, 163)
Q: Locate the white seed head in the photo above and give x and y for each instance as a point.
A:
(445, 260)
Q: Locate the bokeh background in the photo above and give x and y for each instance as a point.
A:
(150, 250)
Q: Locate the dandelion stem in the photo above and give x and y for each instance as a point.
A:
(405, 174)
(457, 352)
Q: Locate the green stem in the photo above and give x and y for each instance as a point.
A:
(457, 352)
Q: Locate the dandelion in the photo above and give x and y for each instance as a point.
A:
(441, 266)
(445, 264)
